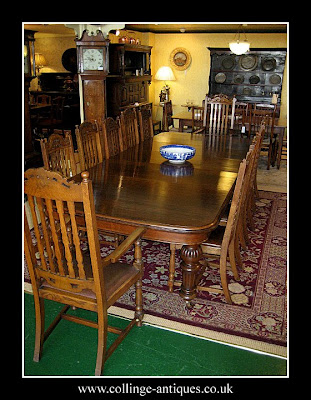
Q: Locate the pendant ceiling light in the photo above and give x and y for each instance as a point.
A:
(237, 46)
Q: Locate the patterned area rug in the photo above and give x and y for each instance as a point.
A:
(256, 319)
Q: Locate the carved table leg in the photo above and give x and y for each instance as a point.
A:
(190, 255)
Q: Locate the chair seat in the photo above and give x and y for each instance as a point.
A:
(213, 243)
(118, 277)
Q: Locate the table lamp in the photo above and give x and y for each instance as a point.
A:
(40, 62)
(164, 74)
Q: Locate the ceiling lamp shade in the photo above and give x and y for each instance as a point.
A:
(164, 74)
(238, 47)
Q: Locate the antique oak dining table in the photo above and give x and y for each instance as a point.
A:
(178, 204)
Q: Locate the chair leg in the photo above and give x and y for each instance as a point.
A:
(138, 263)
(40, 315)
(171, 276)
(237, 253)
(223, 278)
(102, 342)
(139, 303)
(231, 251)
(241, 234)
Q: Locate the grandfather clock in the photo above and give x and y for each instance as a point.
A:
(93, 67)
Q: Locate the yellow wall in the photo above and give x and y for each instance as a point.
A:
(192, 83)
(52, 48)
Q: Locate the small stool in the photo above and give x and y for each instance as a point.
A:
(156, 126)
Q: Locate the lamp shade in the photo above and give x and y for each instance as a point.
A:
(238, 47)
(165, 74)
(40, 60)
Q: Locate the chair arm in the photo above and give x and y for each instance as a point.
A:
(125, 245)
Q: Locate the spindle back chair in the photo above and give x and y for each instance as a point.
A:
(129, 128)
(112, 137)
(60, 271)
(58, 154)
(145, 123)
(198, 125)
(89, 144)
(218, 109)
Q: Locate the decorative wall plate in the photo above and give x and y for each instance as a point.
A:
(228, 62)
(268, 63)
(220, 77)
(247, 91)
(69, 60)
(254, 79)
(248, 62)
(239, 79)
(275, 79)
(180, 58)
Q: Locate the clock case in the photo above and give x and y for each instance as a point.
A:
(93, 42)
(93, 81)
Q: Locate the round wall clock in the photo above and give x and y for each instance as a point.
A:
(180, 58)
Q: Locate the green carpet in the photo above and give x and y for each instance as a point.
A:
(147, 351)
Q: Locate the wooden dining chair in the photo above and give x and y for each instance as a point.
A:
(89, 144)
(249, 194)
(44, 99)
(264, 113)
(221, 242)
(55, 117)
(218, 109)
(58, 154)
(198, 123)
(240, 116)
(145, 123)
(167, 120)
(112, 137)
(129, 128)
(60, 271)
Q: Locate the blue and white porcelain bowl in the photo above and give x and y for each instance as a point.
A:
(177, 153)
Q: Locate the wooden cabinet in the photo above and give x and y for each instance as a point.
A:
(129, 76)
(252, 77)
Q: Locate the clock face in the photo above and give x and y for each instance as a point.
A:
(93, 59)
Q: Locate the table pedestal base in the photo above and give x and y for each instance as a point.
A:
(190, 255)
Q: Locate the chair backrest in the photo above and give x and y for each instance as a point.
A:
(46, 132)
(240, 113)
(167, 115)
(262, 113)
(129, 128)
(57, 108)
(197, 114)
(112, 137)
(217, 114)
(58, 154)
(44, 99)
(52, 250)
(89, 144)
(145, 123)
(235, 208)
(257, 143)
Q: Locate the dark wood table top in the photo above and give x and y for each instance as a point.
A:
(177, 203)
